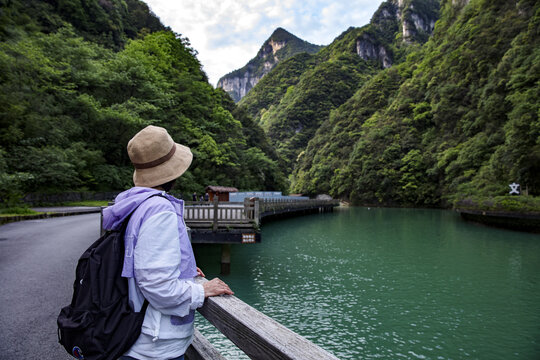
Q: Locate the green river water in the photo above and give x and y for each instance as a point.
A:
(390, 284)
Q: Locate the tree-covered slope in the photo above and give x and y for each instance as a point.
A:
(275, 84)
(69, 105)
(109, 22)
(458, 118)
(293, 122)
(295, 98)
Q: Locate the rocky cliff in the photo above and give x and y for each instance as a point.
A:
(280, 46)
(414, 21)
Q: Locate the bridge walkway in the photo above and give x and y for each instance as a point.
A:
(234, 223)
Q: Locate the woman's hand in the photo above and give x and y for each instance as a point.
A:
(200, 273)
(216, 287)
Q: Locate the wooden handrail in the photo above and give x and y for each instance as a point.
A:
(257, 335)
(202, 349)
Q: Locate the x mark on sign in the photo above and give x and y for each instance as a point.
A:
(514, 188)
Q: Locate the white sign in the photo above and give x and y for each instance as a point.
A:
(248, 238)
(514, 188)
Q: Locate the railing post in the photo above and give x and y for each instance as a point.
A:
(216, 207)
(225, 259)
(247, 208)
(202, 349)
(102, 230)
(256, 213)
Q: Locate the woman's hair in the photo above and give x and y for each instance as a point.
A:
(168, 185)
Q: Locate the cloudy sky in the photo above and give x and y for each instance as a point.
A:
(228, 33)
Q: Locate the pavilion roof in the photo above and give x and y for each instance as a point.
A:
(221, 189)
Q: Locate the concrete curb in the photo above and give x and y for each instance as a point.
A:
(10, 219)
(529, 222)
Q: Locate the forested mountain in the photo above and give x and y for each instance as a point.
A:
(379, 117)
(458, 118)
(293, 100)
(280, 46)
(79, 78)
(386, 114)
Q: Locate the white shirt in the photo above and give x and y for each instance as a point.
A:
(156, 264)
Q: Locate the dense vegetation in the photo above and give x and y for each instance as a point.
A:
(297, 97)
(458, 116)
(79, 78)
(423, 120)
(504, 203)
(274, 85)
(107, 22)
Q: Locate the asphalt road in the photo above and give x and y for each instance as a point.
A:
(37, 270)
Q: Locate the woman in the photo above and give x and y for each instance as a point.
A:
(159, 261)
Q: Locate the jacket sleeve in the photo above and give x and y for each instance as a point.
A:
(156, 262)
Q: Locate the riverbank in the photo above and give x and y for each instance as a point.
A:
(529, 222)
(520, 213)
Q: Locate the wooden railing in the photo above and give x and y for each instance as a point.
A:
(220, 214)
(269, 206)
(257, 335)
(247, 214)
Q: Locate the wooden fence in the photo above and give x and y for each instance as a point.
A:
(270, 206)
(217, 215)
(257, 335)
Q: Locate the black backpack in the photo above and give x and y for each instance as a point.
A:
(100, 324)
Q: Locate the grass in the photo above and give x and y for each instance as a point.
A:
(508, 203)
(23, 210)
(17, 211)
(87, 203)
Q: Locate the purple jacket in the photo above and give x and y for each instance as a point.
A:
(158, 262)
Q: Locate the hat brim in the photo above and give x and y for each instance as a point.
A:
(163, 173)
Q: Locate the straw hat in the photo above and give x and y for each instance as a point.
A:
(156, 157)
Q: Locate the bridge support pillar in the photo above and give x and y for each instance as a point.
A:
(225, 259)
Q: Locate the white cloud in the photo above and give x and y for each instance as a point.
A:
(228, 33)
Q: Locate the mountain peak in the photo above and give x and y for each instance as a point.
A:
(280, 46)
(281, 34)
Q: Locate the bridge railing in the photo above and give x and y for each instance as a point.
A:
(281, 204)
(219, 214)
(257, 335)
(247, 214)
